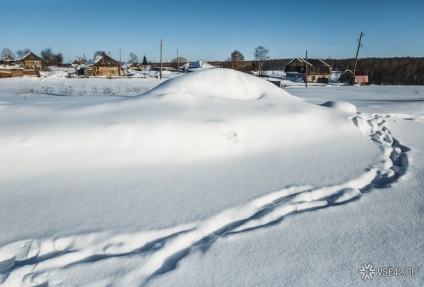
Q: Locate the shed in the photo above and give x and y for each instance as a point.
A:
(361, 77)
(8, 61)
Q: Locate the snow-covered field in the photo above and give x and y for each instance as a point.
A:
(214, 178)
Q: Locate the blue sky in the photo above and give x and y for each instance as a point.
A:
(211, 30)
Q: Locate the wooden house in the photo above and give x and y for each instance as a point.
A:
(8, 61)
(31, 60)
(361, 78)
(101, 66)
(318, 70)
(27, 66)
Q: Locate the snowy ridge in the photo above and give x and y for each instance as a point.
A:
(221, 83)
(34, 262)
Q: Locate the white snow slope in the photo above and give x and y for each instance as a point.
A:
(214, 178)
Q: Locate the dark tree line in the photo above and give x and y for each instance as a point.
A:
(386, 71)
(380, 71)
(50, 58)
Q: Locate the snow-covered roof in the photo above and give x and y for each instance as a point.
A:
(8, 58)
(90, 62)
(198, 65)
(311, 62)
(105, 59)
(201, 64)
(29, 54)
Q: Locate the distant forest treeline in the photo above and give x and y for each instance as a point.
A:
(387, 71)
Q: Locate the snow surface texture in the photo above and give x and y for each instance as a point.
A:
(222, 113)
(32, 261)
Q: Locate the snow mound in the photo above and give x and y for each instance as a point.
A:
(221, 83)
(341, 106)
(55, 74)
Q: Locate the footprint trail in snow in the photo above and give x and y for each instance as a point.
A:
(34, 262)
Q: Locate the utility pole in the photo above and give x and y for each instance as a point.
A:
(356, 59)
(306, 70)
(120, 62)
(161, 59)
(178, 61)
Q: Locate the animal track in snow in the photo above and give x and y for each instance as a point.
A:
(34, 262)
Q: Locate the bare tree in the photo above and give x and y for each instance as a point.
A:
(261, 54)
(133, 58)
(236, 58)
(21, 53)
(51, 58)
(7, 52)
(98, 53)
(179, 59)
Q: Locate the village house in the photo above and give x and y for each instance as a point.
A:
(318, 70)
(101, 66)
(8, 61)
(31, 60)
(361, 78)
(27, 66)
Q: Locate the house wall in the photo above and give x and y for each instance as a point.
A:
(361, 79)
(107, 71)
(102, 71)
(318, 78)
(295, 75)
(320, 70)
(315, 78)
(33, 63)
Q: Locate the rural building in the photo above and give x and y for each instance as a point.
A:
(101, 66)
(31, 60)
(318, 70)
(28, 66)
(8, 61)
(361, 77)
(196, 66)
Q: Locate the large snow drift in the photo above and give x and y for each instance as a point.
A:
(222, 83)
